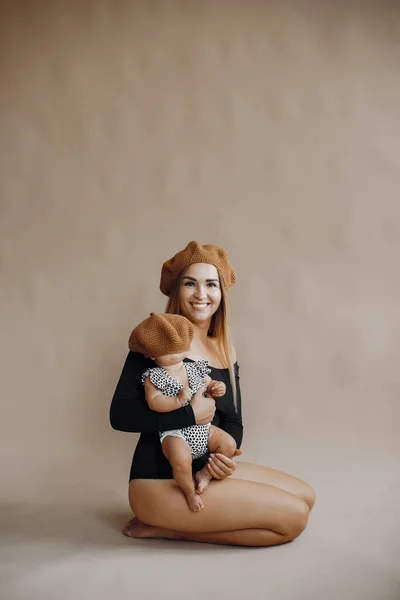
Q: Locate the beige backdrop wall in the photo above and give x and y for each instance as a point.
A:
(130, 128)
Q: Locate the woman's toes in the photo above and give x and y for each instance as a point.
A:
(137, 529)
(130, 525)
(126, 531)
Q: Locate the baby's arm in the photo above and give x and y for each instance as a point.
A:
(160, 403)
(214, 388)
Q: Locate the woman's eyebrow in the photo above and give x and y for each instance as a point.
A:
(194, 279)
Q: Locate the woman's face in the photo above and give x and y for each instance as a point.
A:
(200, 293)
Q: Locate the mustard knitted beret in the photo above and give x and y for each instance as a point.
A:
(196, 253)
(162, 334)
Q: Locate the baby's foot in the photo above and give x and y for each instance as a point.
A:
(194, 501)
(202, 478)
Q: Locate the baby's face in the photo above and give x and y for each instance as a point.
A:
(169, 360)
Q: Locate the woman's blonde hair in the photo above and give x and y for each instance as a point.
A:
(219, 326)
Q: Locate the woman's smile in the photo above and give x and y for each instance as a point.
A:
(199, 305)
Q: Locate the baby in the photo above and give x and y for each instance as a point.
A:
(166, 339)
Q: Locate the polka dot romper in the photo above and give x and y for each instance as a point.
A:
(195, 435)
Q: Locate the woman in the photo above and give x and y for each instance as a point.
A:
(246, 504)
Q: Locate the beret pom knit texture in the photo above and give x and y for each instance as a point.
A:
(162, 334)
(196, 253)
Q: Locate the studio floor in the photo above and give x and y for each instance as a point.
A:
(350, 551)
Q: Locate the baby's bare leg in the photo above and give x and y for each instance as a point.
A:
(218, 441)
(177, 451)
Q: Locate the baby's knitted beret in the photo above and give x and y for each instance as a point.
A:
(196, 253)
(162, 334)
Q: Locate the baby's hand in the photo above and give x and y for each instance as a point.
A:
(185, 395)
(217, 389)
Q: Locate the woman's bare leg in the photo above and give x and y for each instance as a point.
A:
(218, 441)
(177, 451)
(244, 537)
(236, 512)
(260, 474)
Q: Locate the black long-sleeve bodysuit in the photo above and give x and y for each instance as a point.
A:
(130, 412)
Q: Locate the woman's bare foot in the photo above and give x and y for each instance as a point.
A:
(137, 529)
(194, 501)
(202, 478)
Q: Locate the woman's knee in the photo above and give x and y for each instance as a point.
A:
(303, 490)
(297, 519)
(309, 497)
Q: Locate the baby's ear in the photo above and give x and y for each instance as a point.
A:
(153, 358)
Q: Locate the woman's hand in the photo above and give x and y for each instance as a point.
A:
(220, 466)
(203, 407)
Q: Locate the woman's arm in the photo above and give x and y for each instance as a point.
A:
(129, 410)
(231, 421)
(222, 466)
(233, 425)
